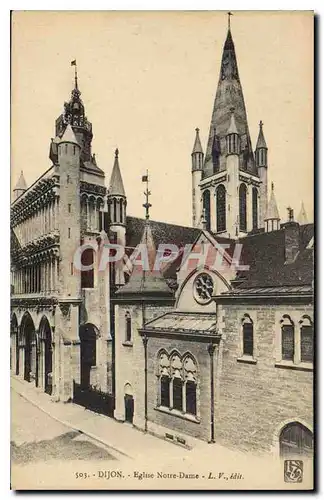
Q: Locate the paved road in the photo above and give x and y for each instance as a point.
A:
(36, 437)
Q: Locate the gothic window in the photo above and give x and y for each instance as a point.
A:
(177, 393)
(247, 329)
(242, 202)
(128, 327)
(87, 275)
(191, 402)
(121, 210)
(306, 340)
(254, 208)
(287, 338)
(206, 207)
(221, 208)
(203, 288)
(215, 154)
(165, 391)
(115, 210)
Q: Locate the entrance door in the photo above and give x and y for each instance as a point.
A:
(48, 363)
(296, 440)
(129, 408)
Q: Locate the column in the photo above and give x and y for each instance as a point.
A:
(211, 350)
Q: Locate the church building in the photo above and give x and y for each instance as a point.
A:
(214, 344)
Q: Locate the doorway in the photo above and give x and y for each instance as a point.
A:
(129, 403)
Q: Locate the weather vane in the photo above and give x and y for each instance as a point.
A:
(147, 193)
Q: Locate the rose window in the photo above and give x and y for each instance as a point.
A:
(203, 288)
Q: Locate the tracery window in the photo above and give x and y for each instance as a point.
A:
(177, 383)
(242, 202)
(206, 207)
(203, 288)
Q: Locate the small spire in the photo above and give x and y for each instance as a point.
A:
(116, 186)
(232, 129)
(261, 143)
(272, 210)
(69, 136)
(302, 217)
(197, 148)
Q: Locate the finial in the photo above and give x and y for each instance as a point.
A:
(74, 63)
(229, 19)
(261, 124)
(147, 193)
(197, 130)
(116, 152)
(272, 186)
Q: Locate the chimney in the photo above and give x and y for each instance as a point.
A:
(291, 237)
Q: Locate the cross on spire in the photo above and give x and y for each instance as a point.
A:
(229, 19)
(261, 123)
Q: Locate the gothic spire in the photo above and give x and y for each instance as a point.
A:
(20, 187)
(261, 143)
(272, 210)
(302, 217)
(197, 148)
(116, 186)
(229, 94)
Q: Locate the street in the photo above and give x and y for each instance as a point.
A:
(37, 437)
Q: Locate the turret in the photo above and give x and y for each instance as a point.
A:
(69, 151)
(302, 217)
(117, 202)
(197, 159)
(20, 187)
(272, 218)
(261, 158)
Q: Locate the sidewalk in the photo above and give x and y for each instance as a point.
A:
(121, 437)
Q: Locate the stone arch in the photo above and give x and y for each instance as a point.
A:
(45, 354)
(28, 348)
(301, 441)
(128, 389)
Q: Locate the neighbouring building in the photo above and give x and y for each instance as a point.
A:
(217, 343)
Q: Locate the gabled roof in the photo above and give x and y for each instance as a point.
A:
(146, 282)
(116, 185)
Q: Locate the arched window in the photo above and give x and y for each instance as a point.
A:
(115, 210)
(191, 397)
(247, 330)
(128, 328)
(221, 208)
(87, 275)
(165, 391)
(206, 206)
(287, 338)
(242, 201)
(215, 154)
(121, 203)
(177, 393)
(295, 440)
(306, 340)
(254, 208)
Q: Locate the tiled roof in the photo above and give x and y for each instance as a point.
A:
(265, 254)
(184, 322)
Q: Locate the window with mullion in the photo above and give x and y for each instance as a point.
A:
(177, 393)
(165, 391)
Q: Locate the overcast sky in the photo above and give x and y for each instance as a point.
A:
(148, 79)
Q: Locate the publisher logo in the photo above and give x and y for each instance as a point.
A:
(293, 471)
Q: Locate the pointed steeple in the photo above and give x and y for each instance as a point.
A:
(197, 148)
(116, 186)
(69, 136)
(146, 282)
(272, 218)
(20, 187)
(302, 217)
(229, 94)
(261, 143)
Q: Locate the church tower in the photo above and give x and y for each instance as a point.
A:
(197, 158)
(230, 184)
